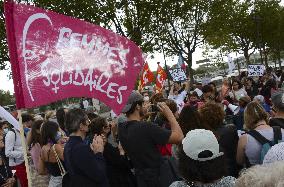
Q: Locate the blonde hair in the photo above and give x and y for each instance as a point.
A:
(270, 175)
(50, 114)
(254, 113)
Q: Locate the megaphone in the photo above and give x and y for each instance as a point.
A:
(234, 108)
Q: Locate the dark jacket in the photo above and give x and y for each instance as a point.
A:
(228, 140)
(84, 167)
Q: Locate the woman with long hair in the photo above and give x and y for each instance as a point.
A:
(51, 150)
(35, 150)
(256, 122)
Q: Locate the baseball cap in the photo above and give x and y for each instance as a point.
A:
(134, 97)
(278, 100)
(200, 141)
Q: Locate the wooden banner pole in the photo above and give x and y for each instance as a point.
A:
(23, 140)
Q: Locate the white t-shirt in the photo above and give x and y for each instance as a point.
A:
(238, 94)
(179, 99)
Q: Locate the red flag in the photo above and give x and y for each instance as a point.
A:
(55, 57)
(147, 76)
(161, 78)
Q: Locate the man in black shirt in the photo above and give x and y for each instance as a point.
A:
(140, 139)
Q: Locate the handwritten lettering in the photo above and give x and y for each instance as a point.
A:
(78, 77)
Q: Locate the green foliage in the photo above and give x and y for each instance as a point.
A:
(3, 41)
(6, 98)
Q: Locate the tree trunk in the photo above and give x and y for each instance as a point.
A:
(279, 60)
(246, 55)
(265, 57)
(189, 63)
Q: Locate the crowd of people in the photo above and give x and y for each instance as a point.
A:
(199, 136)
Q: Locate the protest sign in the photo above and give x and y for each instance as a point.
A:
(256, 70)
(177, 74)
(55, 57)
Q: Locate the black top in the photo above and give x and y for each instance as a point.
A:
(5, 171)
(228, 140)
(277, 122)
(118, 168)
(140, 139)
(52, 167)
(84, 167)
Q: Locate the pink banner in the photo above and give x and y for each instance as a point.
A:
(55, 57)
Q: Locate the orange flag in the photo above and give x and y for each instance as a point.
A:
(147, 76)
(161, 78)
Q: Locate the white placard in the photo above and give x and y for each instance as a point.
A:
(177, 74)
(256, 70)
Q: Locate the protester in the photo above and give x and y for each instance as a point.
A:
(251, 88)
(14, 151)
(198, 89)
(237, 91)
(260, 100)
(262, 175)
(60, 117)
(267, 90)
(27, 121)
(117, 164)
(201, 163)
(215, 93)
(274, 154)
(34, 144)
(7, 179)
(238, 118)
(52, 149)
(84, 163)
(189, 119)
(140, 139)
(193, 99)
(278, 108)
(178, 94)
(208, 94)
(212, 117)
(249, 146)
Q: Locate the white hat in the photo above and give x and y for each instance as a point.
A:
(199, 140)
(275, 153)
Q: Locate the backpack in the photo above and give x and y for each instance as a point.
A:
(266, 144)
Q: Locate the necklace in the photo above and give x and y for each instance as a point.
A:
(259, 125)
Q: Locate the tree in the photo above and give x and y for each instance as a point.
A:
(231, 27)
(6, 98)
(180, 27)
(271, 28)
(4, 58)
